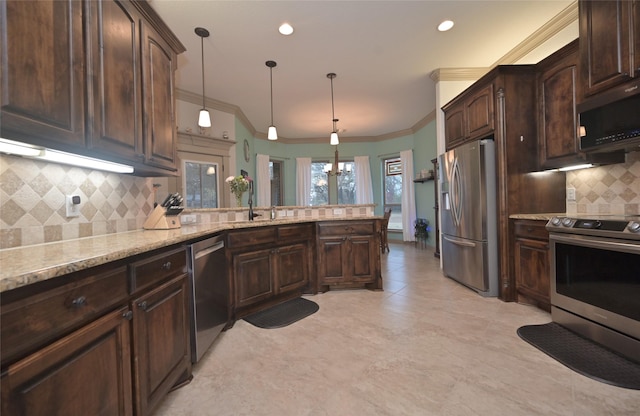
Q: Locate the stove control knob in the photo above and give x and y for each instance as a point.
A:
(555, 221)
(634, 227)
(567, 222)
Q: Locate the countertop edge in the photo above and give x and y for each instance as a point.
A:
(22, 266)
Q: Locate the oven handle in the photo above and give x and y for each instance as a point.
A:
(595, 242)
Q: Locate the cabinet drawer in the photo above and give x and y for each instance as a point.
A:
(33, 321)
(152, 270)
(531, 229)
(346, 228)
(252, 236)
(289, 232)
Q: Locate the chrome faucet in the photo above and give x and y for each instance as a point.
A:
(252, 215)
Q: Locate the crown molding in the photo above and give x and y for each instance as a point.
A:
(559, 22)
(540, 36)
(211, 103)
(458, 74)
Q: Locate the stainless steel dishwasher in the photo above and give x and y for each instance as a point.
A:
(210, 294)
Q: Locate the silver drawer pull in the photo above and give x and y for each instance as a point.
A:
(79, 302)
(166, 266)
(143, 305)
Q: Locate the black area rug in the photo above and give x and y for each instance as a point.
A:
(283, 314)
(582, 355)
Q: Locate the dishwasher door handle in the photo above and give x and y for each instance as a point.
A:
(217, 246)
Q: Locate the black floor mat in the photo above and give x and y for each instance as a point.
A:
(283, 314)
(582, 355)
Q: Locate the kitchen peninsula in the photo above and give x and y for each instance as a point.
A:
(114, 310)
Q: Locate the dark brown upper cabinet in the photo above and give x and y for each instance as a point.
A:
(609, 44)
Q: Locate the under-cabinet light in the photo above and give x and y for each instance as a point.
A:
(20, 149)
(575, 167)
(84, 161)
(40, 153)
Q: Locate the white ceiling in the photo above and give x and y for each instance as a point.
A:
(381, 51)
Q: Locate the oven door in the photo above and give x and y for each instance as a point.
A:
(597, 279)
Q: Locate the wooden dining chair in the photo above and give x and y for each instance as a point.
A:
(384, 242)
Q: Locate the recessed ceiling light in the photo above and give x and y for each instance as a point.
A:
(285, 29)
(445, 25)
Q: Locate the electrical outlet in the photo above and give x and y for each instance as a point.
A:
(571, 194)
(73, 205)
(337, 211)
(188, 219)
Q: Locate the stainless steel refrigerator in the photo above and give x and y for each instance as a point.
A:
(468, 216)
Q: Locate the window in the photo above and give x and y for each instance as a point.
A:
(319, 184)
(347, 184)
(275, 174)
(393, 191)
(323, 186)
(201, 184)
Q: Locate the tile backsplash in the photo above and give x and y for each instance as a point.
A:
(32, 202)
(613, 189)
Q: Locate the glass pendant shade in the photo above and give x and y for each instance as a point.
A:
(334, 139)
(204, 120)
(273, 133)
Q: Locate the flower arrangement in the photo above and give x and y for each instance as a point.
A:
(239, 185)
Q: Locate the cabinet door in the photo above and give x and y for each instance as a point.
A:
(85, 373)
(454, 123)
(605, 48)
(158, 67)
(479, 109)
(636, 36)
(362, 251)
(253, 277)
(42, 72)
(292, 267)
(161, 343)
(558, 117)
(332, 260)
(115, 86)
(532, 269)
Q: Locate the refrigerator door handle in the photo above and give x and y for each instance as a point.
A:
(458, 242)
(456, 191)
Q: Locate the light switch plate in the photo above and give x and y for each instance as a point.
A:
(571, 194)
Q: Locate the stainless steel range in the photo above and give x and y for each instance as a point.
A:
(595, 279)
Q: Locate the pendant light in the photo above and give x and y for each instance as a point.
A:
(204, 120)
(334, 134)
(272, 134)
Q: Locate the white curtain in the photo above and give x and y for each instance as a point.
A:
(408, 196)
(364, 188)
(263, 191)
(303, 181)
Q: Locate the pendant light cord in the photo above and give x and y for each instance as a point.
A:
(202, 54)
(271, 84)
(333, 116)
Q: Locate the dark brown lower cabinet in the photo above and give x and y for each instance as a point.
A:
(348, 254)
(269, 265)
(116, 339)
(532, 273)
(161, 348)
(85, 373)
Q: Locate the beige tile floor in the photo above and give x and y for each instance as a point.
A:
(424, 346)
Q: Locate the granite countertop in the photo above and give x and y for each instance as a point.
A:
(539, 217)
(22, 266)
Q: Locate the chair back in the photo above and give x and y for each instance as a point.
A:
(387, 215)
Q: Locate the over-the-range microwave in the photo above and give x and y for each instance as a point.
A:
(612, 121)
